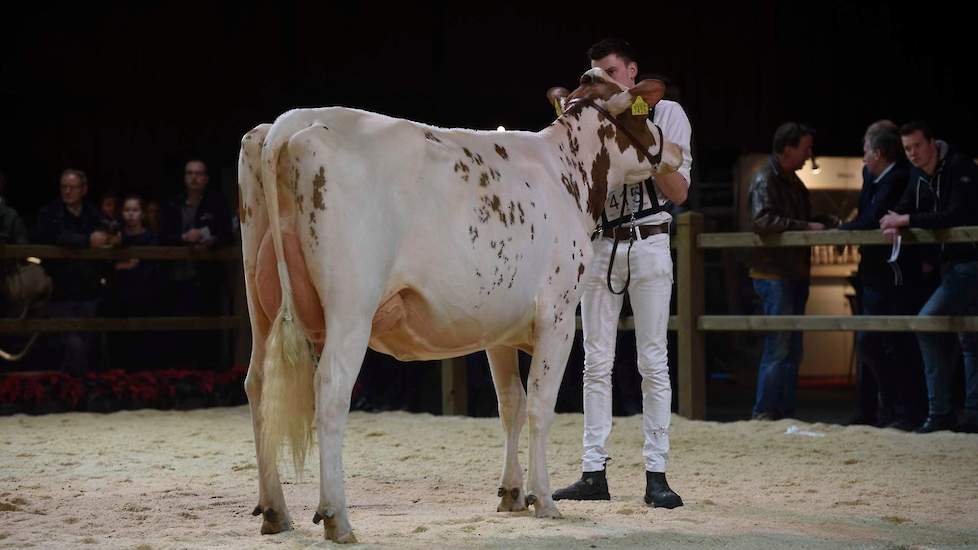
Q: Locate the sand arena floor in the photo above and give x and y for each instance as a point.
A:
(163, 479)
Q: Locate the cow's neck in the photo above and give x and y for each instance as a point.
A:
(584, 142)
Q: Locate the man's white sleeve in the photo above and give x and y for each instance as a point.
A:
(672, 119)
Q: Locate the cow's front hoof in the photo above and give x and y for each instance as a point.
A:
(511, 500)
(336, 530)
(545, 508)
(273, 522)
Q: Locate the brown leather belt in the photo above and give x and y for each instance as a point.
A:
(625, 233)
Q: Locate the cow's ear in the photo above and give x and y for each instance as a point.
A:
(651, 90)
(556, 96)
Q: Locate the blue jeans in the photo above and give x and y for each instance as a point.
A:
(777, 377)
(957, 295)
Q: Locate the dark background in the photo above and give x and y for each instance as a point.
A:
(128, 91)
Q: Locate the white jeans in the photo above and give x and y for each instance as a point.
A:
(649, 293)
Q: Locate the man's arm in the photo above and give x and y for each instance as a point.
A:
(963, 182)
(766, 215)
(886, 198)
(676, 129)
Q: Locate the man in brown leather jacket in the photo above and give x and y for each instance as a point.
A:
(779, 202)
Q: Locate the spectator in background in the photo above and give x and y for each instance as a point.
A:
(780, 202)
(12, 228)
(72, 222)
(197, 217)
(133, 289)
(109, 212)
(891, 358)
(943, 192)
(152, 218)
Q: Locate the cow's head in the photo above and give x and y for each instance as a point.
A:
(626, 148)
(599, 88)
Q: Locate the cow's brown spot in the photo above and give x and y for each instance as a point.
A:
(501, 151)
(527, 184)
(512, 211)
(606, 132)
(571, 186)
(580, 272)
(637, 126)
(520, 208)
(495, 174)
(463, 168)
(484, 179)
(531, 231)
(242, 210)
(319, 189)
(598, 192)
(473, 233)
(431, 137)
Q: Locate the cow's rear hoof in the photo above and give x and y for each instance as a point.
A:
(545, 508)
(511, 500)
(273, 522)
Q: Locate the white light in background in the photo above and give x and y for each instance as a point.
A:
(500, 129)
(33, 260)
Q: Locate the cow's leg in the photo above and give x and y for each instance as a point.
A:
(254, 224)
(546, 371)
(504, 363)
(346, 345)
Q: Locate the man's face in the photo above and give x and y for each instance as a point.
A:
(195, 176)
(108, 207)
(72, 190)
(794, 157)
(920, 150)
(874, 161)
(619, 71)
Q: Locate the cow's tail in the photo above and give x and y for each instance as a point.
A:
(288, 403)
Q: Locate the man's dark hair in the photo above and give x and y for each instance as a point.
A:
(917, 125)
(77, 173)
(790, 134)
(887, 143)
(197, 159)
(610, 46)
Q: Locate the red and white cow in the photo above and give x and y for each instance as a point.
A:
(423, 243)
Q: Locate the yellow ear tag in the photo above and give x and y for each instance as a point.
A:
(640, 107)
(558, 108)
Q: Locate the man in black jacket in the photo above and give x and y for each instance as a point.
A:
(196, 217)
(72, 222)
(889, 357)
(943, 192)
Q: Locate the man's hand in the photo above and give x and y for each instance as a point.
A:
(192, 236)
(98, 239)
(892, 220)
(815, 226)
(891, 234)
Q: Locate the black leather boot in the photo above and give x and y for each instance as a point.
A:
(657, 492)
(937, 423)
(591, 486)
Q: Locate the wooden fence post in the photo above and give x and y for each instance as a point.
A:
(454, 386)
(690, 306)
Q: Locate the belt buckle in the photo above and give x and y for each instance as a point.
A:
(638, 233)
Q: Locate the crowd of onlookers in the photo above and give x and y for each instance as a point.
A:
(910, 179)
(197, 216)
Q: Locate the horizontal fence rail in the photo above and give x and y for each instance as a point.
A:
(129, 324)
(48, 252)
(834, 236)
